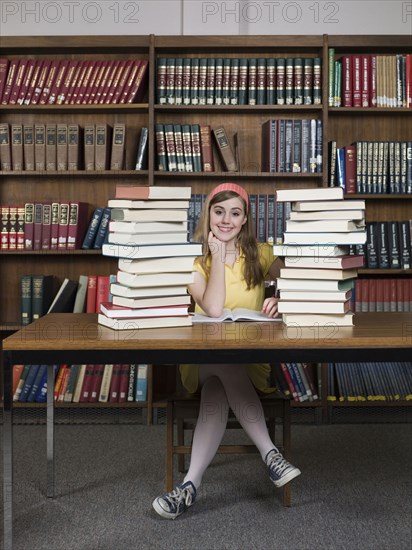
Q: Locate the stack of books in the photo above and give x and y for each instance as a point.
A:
(148, 233)
(315, 286)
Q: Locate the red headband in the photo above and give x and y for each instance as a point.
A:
(231, 187)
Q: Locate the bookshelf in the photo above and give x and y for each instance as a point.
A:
(345, 125)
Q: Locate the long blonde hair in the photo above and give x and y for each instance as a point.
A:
(246, 240)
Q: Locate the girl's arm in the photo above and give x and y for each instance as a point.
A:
(270, 305)
(210, 295)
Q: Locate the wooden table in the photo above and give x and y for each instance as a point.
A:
(77, 338)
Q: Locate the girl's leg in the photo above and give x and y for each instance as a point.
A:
(210, 427)
(244, 401)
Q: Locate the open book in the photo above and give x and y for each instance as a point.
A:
(238, 314)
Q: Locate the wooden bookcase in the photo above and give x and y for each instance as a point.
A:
(341, 124)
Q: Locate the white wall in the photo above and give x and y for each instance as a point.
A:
(176, 17)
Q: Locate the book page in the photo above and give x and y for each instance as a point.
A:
(238, 314)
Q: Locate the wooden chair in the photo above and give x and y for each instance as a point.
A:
(182, 410)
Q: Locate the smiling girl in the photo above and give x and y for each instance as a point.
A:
(230, 274)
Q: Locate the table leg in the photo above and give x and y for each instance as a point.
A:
(8, 452)
(50, 431)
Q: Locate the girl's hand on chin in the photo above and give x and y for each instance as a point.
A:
(216, 246)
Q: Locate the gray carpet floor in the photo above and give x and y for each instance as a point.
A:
(355, 492)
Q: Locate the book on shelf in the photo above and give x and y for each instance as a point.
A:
(42, 294)
(87, 384)
(28, 383)
(20, 383)
(102, 291)
(117, 157)
(148, 322)
(157, 265)
(289, 306)
(119, 312)
(154, 279)
(81, 293)
(315, 194)
(318, 319)
(92, 228)
(125, 291)
(79, 383)
(63, 302)
(237, 314)
(96, 382)
(104, 392)
(141, 156)
(325, 262)
(141, 382)
(77, 224)
(316, 273)
(26, 291)
(152, 301)
(71, 383)
(102, 229)
(225, 150)
(91, 294)
(151, 251)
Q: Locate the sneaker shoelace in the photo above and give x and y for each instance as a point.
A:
(176, 497)
(278, 464)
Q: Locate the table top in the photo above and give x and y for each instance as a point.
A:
(71, 331)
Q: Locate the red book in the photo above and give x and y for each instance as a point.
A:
(33, 82)
(59, 380)
(51, 77)
(102, 67)
(46, 227)
(66, 82)
(357, 80)
(347, 81)
(114, 82)
(289, 382)
(365, 295)
(102, 291)
(96, 382)
(93, 76)
(73, 77)
(84, 85)
(63, 385)
(138, 88)
(63, 226)
(115, 384)
(123, 81)
(350, 168)
(11, 76)
(18, 81)
(206, 148)
(5, 214)
(372, 295)
(399, 295)
(358, 295)
(38, 224)
(379, 295)
(87, 382)
(41, 82)
(77, 88)
(386, 295)
(373, 92)
(28, 225)
(365, 80)
(393, 302)
(100, 85)
(408, 79)
(54, 225)
(91, 294)
(406, 283)
(124, 383)
(27, 77)
(78, 222)
(4, 69)
(58, 82)
(130, 81)
(103, 85)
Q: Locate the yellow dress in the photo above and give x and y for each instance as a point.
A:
(237, 295)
